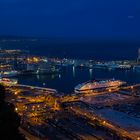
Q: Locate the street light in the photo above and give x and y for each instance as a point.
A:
(16, 109)
(110, 90)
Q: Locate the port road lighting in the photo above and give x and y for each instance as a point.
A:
(16, 93)
(104, 122)
(110, 90)
(16, 109)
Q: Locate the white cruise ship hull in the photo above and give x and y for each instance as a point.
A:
(90, 86)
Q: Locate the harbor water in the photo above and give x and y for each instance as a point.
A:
(66, 81)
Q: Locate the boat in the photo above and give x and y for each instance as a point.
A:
(6, 81)
(8, 74)
(98, 84)
(136, 68)
(48, 71)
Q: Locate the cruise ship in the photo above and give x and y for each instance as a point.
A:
(6, 81)
(96, 85)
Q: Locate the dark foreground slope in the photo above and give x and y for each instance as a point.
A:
(9, 120)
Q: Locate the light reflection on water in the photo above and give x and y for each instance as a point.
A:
(72, 76)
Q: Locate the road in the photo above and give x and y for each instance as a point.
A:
(28, 135)
(104, 123)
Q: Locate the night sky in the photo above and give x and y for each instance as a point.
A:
(92, 19)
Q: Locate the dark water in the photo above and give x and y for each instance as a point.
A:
(89, 50)
(68, 80)
(97, 50)
(81, 49)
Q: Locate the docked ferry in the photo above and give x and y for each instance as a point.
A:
(96, 85)
(6, 81)
(8, 74)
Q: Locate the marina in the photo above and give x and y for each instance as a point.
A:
(69, 70)
(62, 103)
(31, 104)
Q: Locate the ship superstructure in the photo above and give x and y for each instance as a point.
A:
(94, 85)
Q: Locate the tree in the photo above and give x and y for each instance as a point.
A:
(9, 119)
